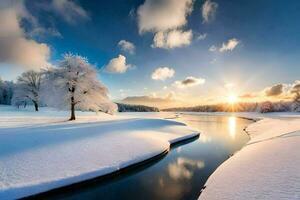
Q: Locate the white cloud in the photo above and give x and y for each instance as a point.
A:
(16, 48)
(229, 45)
(189, 82)
(162, 73)
(209, 9)
(202, 36)
(172, 39)
(163, 15)
(69, 10)
(166, 19)
(127, 46)
(212, 48)
(117, 65)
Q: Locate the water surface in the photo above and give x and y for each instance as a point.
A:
(180, 174)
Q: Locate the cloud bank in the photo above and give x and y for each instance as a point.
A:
(280, 91)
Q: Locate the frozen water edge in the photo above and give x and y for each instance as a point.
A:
(47, 155)
(267, 168)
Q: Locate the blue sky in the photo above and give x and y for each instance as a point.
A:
(264, 49)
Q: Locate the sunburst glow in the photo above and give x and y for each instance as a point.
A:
(232, 98)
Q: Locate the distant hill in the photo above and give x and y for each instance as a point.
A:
(159, 102)
(135, 108)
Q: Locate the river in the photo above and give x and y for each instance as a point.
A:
(180, 174)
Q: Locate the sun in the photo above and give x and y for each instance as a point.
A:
(232, 98)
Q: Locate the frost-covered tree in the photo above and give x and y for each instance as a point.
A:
(74, 84)
(296, 99)
(266, 107)
(28, 88)
(295, 91)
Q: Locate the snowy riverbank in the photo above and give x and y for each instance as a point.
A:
(267, 168)
(41, 151)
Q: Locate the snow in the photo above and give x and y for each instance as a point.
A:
(40, 151)
(267, 168)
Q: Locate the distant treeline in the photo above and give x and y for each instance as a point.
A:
(6, 92)
(263, 107)
(135, 108)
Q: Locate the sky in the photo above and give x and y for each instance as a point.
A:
(161, 52)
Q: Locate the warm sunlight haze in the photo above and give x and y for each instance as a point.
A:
(232, 98)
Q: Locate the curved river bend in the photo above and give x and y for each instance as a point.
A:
(180, 174)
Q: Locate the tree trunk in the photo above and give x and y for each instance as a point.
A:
(72, 112)
(72, 90)
(72, 109)
(36, 106)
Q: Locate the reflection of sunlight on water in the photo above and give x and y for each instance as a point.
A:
(183, 168)
(161, 182)
(204, 138)
(232, 126)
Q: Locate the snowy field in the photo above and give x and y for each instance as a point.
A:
(40, 151)
(267, 168)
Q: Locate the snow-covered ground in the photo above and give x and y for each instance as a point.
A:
(267, 168)
(40, 151)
